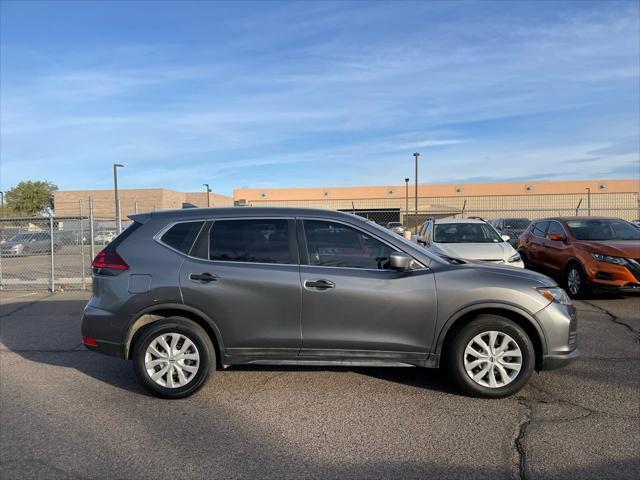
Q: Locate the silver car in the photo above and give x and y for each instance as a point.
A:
(468, 239)
(31, 243)
(182, 293)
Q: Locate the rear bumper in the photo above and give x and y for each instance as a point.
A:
(552, 362)
(108, 348)
(102, 326)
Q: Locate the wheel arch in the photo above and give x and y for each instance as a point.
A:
(523, 319)
(152, 314)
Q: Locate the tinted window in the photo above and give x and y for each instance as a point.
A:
(539, 229)
(182, 235)
(465, 233)
(336, 245)
(603, 229)
(555, 227)
(262, 241)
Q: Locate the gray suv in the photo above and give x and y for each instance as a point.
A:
(184, 292)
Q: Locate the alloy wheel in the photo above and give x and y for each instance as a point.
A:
(171, 360)
(574, 281)
(492, 359)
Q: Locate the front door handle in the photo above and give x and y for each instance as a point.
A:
(319, 284)
(203, 277)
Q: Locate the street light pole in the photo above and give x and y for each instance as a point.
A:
(115, 190)
(416, 155)
(588, 201)
(208, 192)
(406, 196)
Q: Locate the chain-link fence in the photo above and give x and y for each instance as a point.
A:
(55, 253)
(51, 253)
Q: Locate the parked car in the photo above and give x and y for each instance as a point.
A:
(103, 237)
(585, 251)
(396, 227)
(513, 227)
(185, 291)
(468, 239)
(31, 243)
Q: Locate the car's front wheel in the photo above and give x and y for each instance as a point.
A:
(173, 357)
(575, 280)
(490, 357)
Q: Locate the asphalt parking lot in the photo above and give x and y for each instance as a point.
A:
(70, 413)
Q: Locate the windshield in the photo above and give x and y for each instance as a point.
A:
(465, 233)
(516, 223)
(21, 237)
(603, 229)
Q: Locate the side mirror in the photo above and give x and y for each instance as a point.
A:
(399, 261)
(506, 238)
(557, 237)
(421, 240)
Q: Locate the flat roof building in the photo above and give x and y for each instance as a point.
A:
(530, 199)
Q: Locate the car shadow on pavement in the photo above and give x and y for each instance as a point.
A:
(428, 378)
(48, 331)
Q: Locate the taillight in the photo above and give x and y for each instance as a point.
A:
(109, 259)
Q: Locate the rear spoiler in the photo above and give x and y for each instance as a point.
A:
(141, 217)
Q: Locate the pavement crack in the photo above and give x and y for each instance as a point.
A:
(615, 319)
(518, 442)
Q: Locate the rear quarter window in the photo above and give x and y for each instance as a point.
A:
(182, 235)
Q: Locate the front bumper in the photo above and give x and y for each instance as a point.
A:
(552, 362)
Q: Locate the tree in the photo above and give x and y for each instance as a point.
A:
(31, 198)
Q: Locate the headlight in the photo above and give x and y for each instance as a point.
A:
(609, 259)
(514, 258)
(555, 294)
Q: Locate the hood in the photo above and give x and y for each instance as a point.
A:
(475, 251)
(616, 248)
(11, 244)
(520, 273)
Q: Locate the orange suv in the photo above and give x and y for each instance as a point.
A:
(587, 251)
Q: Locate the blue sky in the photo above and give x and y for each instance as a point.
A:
(307, 94)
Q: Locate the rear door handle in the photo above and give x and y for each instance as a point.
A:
(319, 284)
(203, 277)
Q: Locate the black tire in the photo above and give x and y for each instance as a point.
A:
(525, 260)
(190, 330)
(582, 289)
(455, 356)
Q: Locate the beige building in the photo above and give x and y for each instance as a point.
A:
(69, 202)
(489, 200)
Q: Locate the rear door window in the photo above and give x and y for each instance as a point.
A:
(258, 241)
(182, 235)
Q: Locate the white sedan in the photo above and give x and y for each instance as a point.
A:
(468, 239)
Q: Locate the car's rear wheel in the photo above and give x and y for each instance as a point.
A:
(575, 280)
(173, 357)
(490, 357)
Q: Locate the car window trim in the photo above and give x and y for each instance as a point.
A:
(393, 247)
